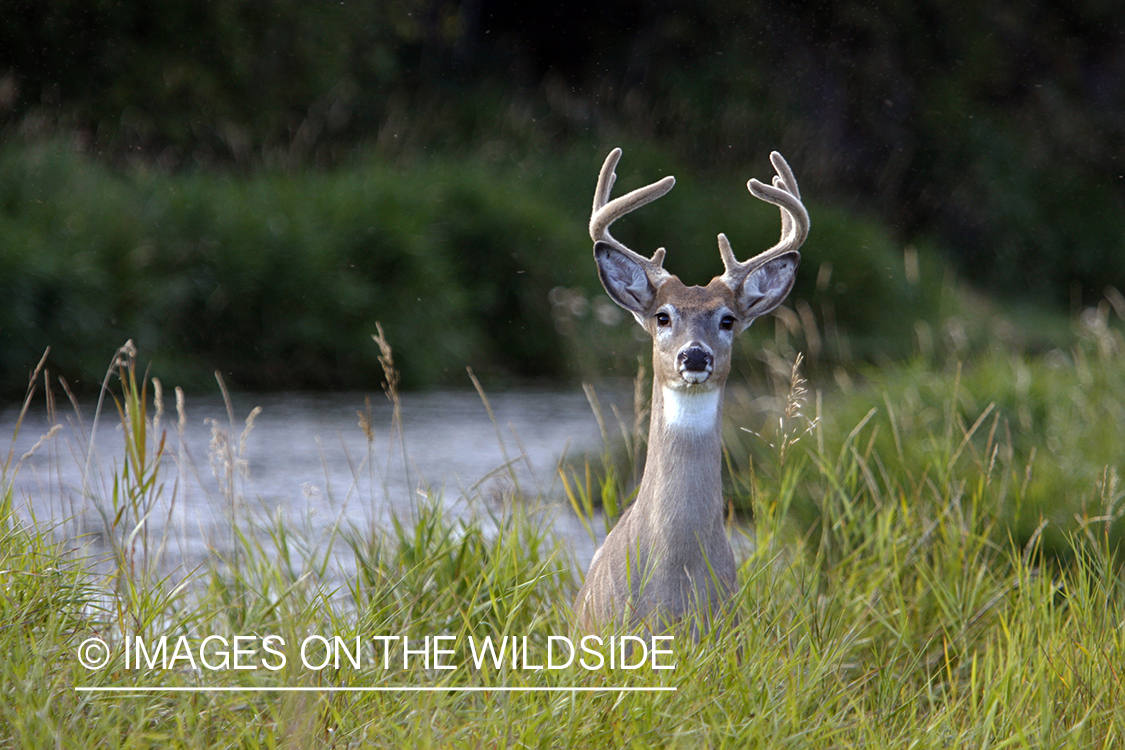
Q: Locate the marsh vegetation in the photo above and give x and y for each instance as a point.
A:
(932, 560)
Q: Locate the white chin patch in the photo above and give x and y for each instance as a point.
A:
(691, 410)
(694, 376)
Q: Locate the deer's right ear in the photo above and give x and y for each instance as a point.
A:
(767, 286)
(624, 279)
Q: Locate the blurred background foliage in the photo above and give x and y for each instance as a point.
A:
(249, 185)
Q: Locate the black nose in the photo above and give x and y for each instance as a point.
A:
(695, 359)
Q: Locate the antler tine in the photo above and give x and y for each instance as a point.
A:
(784, 194)
(606, 211)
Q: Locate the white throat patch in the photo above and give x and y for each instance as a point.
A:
(693, 411)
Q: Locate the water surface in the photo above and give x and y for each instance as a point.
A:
(307, 460)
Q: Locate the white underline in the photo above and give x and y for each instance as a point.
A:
(331, 689)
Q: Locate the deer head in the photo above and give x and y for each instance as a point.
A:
(693, 328)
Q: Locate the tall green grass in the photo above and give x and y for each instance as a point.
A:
(888, 598)
(1036, 442)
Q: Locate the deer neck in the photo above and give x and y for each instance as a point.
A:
(682, 483)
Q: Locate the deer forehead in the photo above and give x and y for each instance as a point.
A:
(690, 301)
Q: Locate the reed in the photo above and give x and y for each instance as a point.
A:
(887, 598)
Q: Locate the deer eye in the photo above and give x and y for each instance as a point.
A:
(727, 323)
(663, 319)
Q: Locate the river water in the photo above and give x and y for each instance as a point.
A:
(307, 460)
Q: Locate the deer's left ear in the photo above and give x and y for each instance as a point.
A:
(766, 286)
(625, 280)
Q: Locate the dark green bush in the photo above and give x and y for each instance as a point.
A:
(277, 279)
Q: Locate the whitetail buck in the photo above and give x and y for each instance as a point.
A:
(668, 559)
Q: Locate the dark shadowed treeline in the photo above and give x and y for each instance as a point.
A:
(991, 130)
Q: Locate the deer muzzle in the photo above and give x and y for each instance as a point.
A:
(695, 362)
